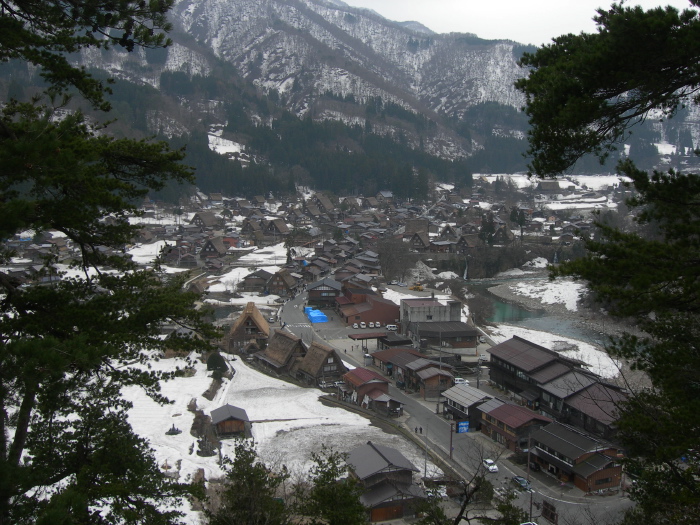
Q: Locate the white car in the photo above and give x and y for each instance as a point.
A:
(371, 324)
(363, 325)
(490, 465)
(461, 381)
(355, 325)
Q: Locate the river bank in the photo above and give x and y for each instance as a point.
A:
(588, 319)
(594, 320)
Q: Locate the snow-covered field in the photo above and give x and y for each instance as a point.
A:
(561, 291)
(288, 422)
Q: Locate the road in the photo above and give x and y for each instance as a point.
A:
(468, 450)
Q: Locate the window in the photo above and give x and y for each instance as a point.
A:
(429, 317)
(603, 481)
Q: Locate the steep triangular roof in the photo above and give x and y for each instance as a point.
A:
(251, 312)
(316, 356)
(280, 347)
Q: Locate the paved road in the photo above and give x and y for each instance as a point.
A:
(467, 449)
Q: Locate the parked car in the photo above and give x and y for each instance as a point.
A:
(377, 324)
(490, 465)
(522, 483)
(401, 284)
(392, 327)
(371, 324)
(482, 339)
(394, 282)
(461, 381)
(355, 325)
(534, 466)
(363, 325)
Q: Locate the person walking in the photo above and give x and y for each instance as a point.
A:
(421, 429)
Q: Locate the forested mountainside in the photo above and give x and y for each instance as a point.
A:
(322, 94)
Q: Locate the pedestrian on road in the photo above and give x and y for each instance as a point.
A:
(421, 430)
(416, 430)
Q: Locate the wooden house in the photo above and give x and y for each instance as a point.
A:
(321, 364)
(229, 420)
(510, 424)
(283, 283)
(255, 282)
(574, 456)
(213, 248)
(461, 402)
(420, 242)
(387, 478)
(206, 220)
(362, 382)
(250, 325)
(323, 293)
(283, 349)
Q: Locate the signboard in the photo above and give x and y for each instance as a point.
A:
(462, 427)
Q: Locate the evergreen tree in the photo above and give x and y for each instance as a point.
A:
(333, 498)
(583, 94)
(67, 452)
(251, 494)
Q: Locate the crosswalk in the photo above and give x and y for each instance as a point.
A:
(298, 325)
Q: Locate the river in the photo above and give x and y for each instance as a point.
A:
(543, 318)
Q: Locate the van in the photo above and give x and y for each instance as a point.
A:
(461, 381)
(392, 327)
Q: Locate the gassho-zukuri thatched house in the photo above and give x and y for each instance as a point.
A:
(321, 364)
(250, 325)
(283, 349)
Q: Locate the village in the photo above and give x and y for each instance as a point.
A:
(300, 292)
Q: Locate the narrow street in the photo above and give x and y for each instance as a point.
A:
(468, 449)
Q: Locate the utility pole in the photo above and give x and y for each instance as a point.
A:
(529, 445)
(425, 454)
(452, 431)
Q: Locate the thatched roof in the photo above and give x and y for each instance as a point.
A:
(251, 312)
(316, 356)
(281, 347)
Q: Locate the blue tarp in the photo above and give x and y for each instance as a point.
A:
(316, 316)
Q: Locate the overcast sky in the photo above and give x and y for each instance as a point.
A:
(524, 21)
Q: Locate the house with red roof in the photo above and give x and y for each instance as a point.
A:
(510, 425)
(369, 389)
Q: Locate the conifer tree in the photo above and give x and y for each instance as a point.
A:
(67, 347)
(584, 95)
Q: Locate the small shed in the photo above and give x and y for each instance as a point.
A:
(229, 420)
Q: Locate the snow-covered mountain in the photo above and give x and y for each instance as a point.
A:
(330, 61)
(304, 48)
